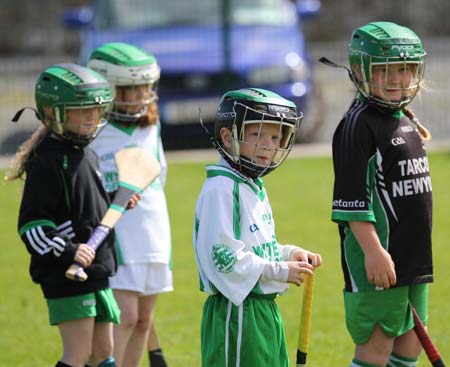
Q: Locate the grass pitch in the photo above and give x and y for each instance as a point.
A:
(300, 193)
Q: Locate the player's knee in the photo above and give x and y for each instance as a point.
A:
(128, 320)
(143, 324)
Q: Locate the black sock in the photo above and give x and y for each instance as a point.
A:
(62, 364)
(156, 358)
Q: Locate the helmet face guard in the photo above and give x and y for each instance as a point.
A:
(131, 111)
(249, 123)
(66, 88)
(130, 71)
(387, 64)
(87, 125)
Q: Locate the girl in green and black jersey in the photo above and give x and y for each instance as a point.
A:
(382, 198)
(63, 202)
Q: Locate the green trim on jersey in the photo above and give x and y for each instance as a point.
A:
(398, 114)
(129, 130)
(66, 187)
(354, 256)
(236, 212)
(201, 285)
(342, 217)
(214, 170)
(36, 223)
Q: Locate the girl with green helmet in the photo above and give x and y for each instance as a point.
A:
(382, 199)
(144, 233)
(63, 201)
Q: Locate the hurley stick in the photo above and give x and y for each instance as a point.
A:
(137, 169)
(305, 321)
(427, 344)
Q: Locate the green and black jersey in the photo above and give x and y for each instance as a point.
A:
(382, 176)
(63, 202)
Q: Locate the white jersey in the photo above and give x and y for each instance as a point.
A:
(234, 235)
(143, 233)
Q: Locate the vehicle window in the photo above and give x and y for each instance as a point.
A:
(262, 12)
(132, 14)
(135, 14)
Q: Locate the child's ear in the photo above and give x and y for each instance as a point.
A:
(225, 136)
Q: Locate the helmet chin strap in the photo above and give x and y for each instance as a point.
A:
(212, 139)
(18, 114)
(328, 62)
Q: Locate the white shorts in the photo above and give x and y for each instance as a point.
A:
(145, 279)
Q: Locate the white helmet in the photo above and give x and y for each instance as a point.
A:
(125, 65)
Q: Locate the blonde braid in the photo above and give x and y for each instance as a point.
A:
(423, 131)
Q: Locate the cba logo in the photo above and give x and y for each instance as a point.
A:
(224, 258)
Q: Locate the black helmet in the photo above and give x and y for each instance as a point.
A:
(237, 109)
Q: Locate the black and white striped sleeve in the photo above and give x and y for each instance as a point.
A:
(44, 225)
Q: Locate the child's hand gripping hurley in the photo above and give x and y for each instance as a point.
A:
(137, 169)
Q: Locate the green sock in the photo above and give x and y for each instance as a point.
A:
(156, 358)
(398, 361)
(357, 363)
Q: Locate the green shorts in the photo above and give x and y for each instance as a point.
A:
(251, 334)
(101, 305)
(388, 308)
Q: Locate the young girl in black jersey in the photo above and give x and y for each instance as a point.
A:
(382, 197)
(63, 201)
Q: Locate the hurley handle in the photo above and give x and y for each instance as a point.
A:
(76, 271)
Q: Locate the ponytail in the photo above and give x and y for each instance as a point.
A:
(24, 152)
(423, 131)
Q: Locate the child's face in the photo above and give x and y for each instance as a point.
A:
(131, 99)
(260, 142)
(393, 82)
(83, 121)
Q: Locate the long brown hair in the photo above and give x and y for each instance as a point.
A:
(152, 116)
(24, 152)
(423, 131)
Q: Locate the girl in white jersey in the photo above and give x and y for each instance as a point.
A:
(143, 235)
(241, 264)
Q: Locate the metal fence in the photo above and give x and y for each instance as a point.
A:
(432, 106)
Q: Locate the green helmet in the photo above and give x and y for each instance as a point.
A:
(125, 65)
(239, 108)
(70, 86)
(385, 43)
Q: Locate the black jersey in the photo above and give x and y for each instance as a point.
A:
(63, 201)
(382, 176)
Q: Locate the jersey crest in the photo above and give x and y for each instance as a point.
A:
(224, 258)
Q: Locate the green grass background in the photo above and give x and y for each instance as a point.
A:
(300, 192)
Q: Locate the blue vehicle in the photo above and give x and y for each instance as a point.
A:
(204, 48)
